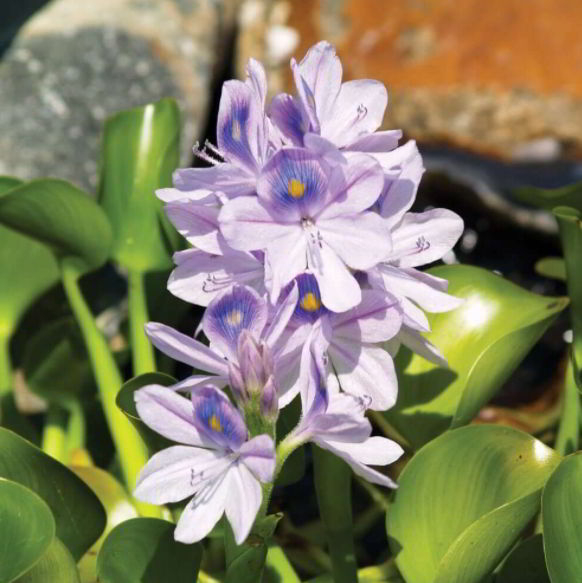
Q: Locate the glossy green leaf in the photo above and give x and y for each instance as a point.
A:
(278, 569)
(117, 505)
(56, 565)
(562, 517)
(27, 266)
(525, 563)
(140, 152)
(552, 267)
(125, 401)
(463, 500)
(548, 199)
(27, 528)
(60, 215)
(484, 340)
(143, 550)
(78, 514)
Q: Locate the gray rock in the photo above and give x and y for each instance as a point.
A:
(76, 63)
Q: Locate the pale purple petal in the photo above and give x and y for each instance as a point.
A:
(287, 258)
(422, 238)
(289, 117)
(202, 196)
(419, 344)
(185, 349)
(413, 316)
(377, 318)
(227, 178)
(306, 97)
(361, 241)
(353, 187)
(194, 381)
(199, 277)
(203, 512)
(240, 127)
(243, 501)
(177, 472)
(257, 80)
(358, 110)
(198, 223)
(248, 225)
(234, 310)
(217, 419)
(341, 427)
(324, 148)
(351, 452)
(293, 184)
(384, 141)
(258, 454)
(282, 315)
(366, 371)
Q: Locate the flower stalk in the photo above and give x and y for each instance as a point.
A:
(5, 365)
(143, 358)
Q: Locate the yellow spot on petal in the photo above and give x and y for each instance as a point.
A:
(296, 188)
(234, 318)
(310, 303)
(214, 423)
(236, 130)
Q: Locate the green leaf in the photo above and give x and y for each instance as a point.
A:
(126, 402)
(143, 550)
(117, 505)
(463, 500)
(548, 199)
(78, 514)
(27, 528)
(140, 152)
(56, 565)
(526, 562)
(278, 568)
(28, 265)
(562, 517)
(60, 215)
(552, 267)
(484, 340)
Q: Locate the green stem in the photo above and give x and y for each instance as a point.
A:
(143, 356)
(130, 448)
(54, 433)
(5, 365)
(333, 489)
(76, 429)
(569, 429)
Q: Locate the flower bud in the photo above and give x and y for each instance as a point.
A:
(252, 363)
(270, 400)
(236, 383)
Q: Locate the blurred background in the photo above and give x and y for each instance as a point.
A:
(491, 91)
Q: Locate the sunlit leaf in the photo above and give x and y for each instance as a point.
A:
(78, 514)
(126, 402)
(143, 550)
(27, 528)
(56, 565)
(484, 340)
(562, 517)
(526, 562)
(552, 267)
(278, 568)
(570, 195)
(140, 152)
(463, 500)
(60, 215)
(27, 269)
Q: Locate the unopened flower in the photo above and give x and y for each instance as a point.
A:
(218, 464)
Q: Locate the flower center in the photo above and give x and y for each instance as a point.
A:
(234, 318)
(295, 188)
(214, 423)
(310, 302)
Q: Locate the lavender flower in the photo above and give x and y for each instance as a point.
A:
(218, 464)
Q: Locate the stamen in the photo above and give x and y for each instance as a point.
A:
(214, 424)
(310, 302)
(234, 318)
(295, 188)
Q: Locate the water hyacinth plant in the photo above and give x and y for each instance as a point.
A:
(319, 327)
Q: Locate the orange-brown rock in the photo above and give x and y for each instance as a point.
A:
(503, 76)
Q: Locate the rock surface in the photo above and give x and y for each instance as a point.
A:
(501, 78)
(75, 63)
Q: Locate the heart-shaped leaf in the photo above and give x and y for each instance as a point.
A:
(463, 500)
(484, 340)
(562, 517)
(57, 565)
(28, 265)
(143, 550)
(27, 528)
(78, 514)
(526, 562)
(126, 402)
(60, 215)
(140, 152)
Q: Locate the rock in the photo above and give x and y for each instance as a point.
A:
(75, 63)
(501, 78)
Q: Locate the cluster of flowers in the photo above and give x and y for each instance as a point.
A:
(305, 254)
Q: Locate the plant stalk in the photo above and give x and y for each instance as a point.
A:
(143, 357)
(568, 435)
(54, 435)
(5, 365)
(130, 448)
